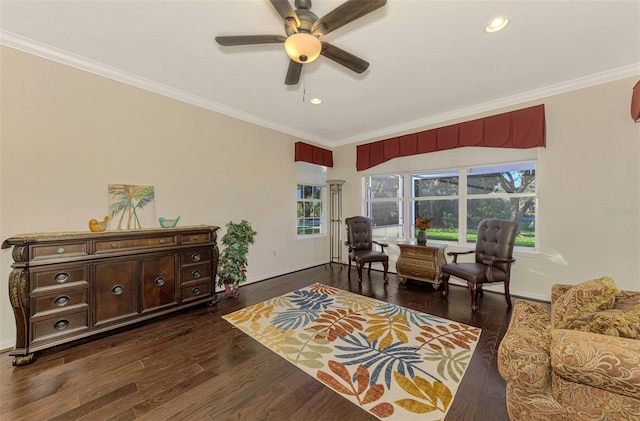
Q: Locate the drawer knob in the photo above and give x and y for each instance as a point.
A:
(195, 274)
(61, 324)
(114, 245)
(61, 277)
(196, 238)
(61, 250)
(61, 301)
(117, 290)
(159, 281)
(195, 257)
(195, 291)
(162, 241)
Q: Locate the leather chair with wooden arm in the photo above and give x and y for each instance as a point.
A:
(360, 243)
(493, 259)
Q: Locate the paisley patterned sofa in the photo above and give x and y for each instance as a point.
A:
(556, 368)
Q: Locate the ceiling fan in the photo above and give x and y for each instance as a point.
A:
(303, 28)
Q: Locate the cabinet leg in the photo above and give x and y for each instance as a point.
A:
(24, 359)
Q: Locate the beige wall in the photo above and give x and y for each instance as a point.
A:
(66, 134)
(589, 189)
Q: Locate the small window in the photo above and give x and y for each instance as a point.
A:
(309, 203)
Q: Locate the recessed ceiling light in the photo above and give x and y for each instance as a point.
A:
(315, 101)
(496, 24)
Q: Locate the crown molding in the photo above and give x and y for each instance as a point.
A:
(48, 52)
(36, 48)
(533, 95)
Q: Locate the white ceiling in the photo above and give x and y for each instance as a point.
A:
(430, 60)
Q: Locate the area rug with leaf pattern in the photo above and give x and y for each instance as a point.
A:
(394, 362)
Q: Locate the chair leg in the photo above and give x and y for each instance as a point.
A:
(359, 267)
(385, 265)
(474, 295)
(445, 282)
(506, 293)
(369, 270)
(349, 271)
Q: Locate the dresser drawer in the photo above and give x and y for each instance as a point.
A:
(65, 275)
(62, 299)
(195, 256)
(195, 272)
(59, 325)
(111, 246)
(196, 290)
(203, 237)
(418, 253)
(58, 251)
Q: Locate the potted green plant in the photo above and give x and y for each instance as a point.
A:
(232, 266)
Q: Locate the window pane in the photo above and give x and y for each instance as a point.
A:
(442, 184)
(521, 210)
(315, 192)
(386, 218)
(300, 210)
(385, 187)
(501, 180)
(299, 192)
(444, 226)
(307, 190)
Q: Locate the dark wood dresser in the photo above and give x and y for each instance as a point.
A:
(69, 285)
(422, 263)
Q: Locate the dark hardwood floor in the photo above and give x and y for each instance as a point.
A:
(195, 366)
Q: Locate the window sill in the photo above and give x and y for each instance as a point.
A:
(517, 251)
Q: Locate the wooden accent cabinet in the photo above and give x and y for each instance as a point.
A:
(67, 286)
(422, 263)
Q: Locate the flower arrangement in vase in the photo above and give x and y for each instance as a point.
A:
(422, 225)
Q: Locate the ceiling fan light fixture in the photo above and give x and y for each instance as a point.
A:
(302, 47)
(496, 24)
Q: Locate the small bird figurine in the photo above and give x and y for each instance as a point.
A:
(96, 226)
(168, 223)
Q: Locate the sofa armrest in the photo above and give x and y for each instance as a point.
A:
(606, 362)
(523, 354)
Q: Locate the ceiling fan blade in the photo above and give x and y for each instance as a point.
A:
(284, 9)
(293, 74)
(340, 56)
(343, 14)
(230, 41)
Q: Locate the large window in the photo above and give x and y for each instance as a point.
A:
(309, 201)
(457, 200)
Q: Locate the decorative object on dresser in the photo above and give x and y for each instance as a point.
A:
(360, 243)
(70, 285)
(98, 226)
(233, 259)
(422, 225)
(493, 259)
(422, 263)
(168, 223)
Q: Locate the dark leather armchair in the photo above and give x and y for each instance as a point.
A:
(360, 243)
(493, 259)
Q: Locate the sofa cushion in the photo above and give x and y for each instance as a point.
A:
(587, 297)
(613, 322)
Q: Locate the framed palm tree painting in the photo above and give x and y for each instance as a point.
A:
(131, 207)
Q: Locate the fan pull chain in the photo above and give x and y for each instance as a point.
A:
(304, 86)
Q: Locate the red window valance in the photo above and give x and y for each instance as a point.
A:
(313, 154)
(519, 129)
